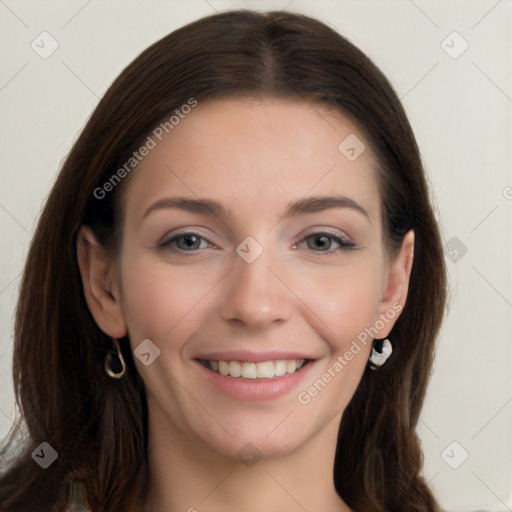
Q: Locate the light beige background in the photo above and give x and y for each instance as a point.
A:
(460, 109)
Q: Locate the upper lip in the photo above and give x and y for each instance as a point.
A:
(249, 355)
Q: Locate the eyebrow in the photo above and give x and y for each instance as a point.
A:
(319, 203)
(217, 209)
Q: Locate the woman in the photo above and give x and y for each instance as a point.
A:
(232, 297)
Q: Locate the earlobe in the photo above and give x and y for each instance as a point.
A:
(396, 287)
(96, 272)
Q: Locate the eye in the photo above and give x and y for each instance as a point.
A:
(185, 241)
(325, 242)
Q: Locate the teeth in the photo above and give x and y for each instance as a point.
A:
(259, 370)
(280, 368)
(235, 369)
(291, 366)
(265, 370)
(249, 371)
(223, 368)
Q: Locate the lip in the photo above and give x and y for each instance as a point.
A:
(253, 357)
(257, 390)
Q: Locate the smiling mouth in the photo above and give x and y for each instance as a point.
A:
(255, 370)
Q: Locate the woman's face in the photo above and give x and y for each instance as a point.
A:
(251, 241)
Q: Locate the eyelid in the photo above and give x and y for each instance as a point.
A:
(344, 241)
(325, 231)
(166, 241)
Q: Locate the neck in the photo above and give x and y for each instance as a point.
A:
(186, 475)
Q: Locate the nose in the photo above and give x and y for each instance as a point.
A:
(255, 297)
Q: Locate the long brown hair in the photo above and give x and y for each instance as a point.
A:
(99, 426)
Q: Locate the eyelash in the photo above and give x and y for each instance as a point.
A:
(344, 244)
(166, 243)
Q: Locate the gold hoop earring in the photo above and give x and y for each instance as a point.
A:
(114, 362)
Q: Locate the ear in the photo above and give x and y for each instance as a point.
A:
(101, 289)
(396, 285)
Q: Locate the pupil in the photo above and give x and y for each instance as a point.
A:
(322, 242)
(190, 241)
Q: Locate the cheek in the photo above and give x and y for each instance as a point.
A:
(345, 300)
(345, 304)
(160, 300)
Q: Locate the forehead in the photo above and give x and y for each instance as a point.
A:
(249, 153)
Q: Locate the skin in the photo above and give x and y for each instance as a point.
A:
(255, 157)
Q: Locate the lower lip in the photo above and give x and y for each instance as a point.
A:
(256, 390)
